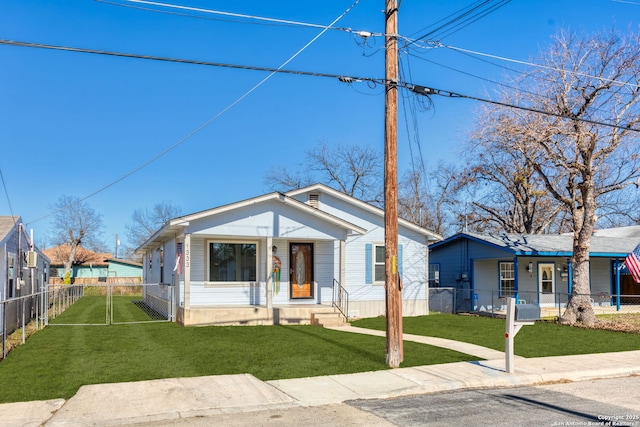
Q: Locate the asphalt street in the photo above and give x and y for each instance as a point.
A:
(614, 401)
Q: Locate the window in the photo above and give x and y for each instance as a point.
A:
(378, 263)
(507, 279)
(434, 275)
(374, 263)
(11, 275)
(232, 262)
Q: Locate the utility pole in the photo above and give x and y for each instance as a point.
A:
(393, 293)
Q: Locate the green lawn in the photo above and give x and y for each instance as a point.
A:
(539, 340)
(57, 360)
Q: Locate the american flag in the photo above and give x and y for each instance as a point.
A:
(633, 264)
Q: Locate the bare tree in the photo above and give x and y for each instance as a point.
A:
(585, 146)
(431, 201)
(147, 221)
(279, 178)
(355, 170)
(75, 223)
(508, 196)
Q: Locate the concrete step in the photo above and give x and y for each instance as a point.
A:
(328, 319)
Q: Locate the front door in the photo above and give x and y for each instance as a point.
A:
(301, 270)
(546, 283)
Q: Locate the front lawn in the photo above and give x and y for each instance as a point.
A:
(57, 360)
(539, 340)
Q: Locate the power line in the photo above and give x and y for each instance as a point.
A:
(212, 119)
(276, 21)
(428, 91)
(461, 19)
(422, 90)
(531, 64)
(6, 193)
(347, 79)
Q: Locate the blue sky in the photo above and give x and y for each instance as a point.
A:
(73, 123)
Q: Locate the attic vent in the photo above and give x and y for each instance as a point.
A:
(314, 200)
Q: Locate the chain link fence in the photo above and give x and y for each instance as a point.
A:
(19, 317)
(83, 304)
(552, 305)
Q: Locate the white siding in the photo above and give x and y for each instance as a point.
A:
(601, 275)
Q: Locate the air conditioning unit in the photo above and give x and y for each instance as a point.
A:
(32, 259)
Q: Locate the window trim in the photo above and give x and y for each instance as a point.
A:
(503, 292)
(375, 245)
(207, 267)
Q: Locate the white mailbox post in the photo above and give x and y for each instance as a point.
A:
(517, 316)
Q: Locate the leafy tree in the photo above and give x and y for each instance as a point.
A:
(75, 223)
(586, 145)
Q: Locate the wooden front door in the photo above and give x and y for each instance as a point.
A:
(301, 270)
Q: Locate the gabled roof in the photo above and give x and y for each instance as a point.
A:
(632, 231)
(7, 223)
(123, 261)
(366, 206)
(547, 244)
(59, 254)
(176, 225)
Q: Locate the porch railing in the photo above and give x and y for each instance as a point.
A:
(340, 299)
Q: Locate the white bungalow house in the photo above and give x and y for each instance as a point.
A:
(485, 268)
(280, 257)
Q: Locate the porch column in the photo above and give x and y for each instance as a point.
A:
(515, 279)
(187, 271)
(269, 279)
(343, 262)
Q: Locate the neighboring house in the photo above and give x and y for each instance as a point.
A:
(278, 257)
(23, 271)
(124, 268)
(91, 265)
(532, 268)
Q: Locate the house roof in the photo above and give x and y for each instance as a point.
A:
(632, 231)
(548, 244)
(176, 225)
(7, 223)
(59, 254)
(366, 206)
(123, 261)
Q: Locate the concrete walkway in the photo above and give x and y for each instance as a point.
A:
(175, 398)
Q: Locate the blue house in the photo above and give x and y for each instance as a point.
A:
(486, 268)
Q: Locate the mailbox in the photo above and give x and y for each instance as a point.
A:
(527, 312)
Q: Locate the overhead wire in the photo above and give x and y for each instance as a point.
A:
(6, 193)
(466, 16)
(241, 17)
(428, 91)
(184, 61)
(212, 119)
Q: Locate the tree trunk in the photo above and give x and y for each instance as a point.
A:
(579, 309)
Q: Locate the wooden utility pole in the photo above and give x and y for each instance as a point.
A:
(392, 279)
